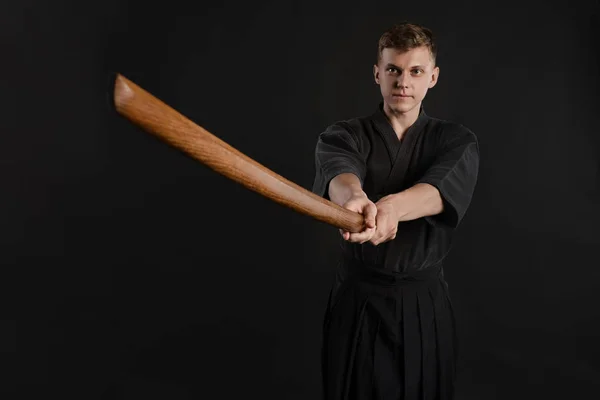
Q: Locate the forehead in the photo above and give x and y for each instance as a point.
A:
(417, 56)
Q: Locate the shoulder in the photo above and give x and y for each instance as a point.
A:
(352, 129)
(451, 132)
(354, 126)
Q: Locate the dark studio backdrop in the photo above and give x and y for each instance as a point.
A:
(146, 275)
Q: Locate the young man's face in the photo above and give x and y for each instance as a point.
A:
(405, 77)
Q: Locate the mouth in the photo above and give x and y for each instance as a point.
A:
(400, 97)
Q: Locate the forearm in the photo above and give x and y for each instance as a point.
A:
(420, 200)
(343, 187)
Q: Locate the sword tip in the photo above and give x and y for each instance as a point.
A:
(122, 91)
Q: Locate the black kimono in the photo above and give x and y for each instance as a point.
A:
(389, 329)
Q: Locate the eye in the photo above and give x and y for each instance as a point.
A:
(417, 71)
(392, 70)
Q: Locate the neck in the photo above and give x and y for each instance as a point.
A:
(401, 121)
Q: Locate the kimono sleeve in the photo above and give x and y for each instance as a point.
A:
(337, 151)
(454, 173)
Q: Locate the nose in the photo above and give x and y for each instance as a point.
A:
(402, 81)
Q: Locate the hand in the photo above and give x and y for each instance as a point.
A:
(361, 204)
(386, 221)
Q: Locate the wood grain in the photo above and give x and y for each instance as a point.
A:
(159, 119)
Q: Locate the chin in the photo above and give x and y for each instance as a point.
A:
(401, 106)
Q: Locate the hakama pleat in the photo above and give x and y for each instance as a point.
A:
(389, 336)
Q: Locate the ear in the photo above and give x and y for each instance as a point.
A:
(434, 77)
(376, 73)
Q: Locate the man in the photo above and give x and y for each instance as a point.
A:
(389, 328)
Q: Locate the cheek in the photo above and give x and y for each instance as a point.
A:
(386, 84)
(387, 80)
(422, 87)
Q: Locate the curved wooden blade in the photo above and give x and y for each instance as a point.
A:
(156, 117)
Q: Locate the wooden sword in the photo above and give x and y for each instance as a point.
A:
(159, 119)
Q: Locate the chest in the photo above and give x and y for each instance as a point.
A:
(394, 165)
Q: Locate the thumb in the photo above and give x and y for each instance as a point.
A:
(370, 213)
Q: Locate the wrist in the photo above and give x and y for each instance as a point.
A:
(398, 201)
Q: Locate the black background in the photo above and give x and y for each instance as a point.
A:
(147, 275)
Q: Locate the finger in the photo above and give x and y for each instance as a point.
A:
(357, 237)
(345, 234)
(384, 238)
(375, 240)
(378, 237)
(362, 237)
(368, 235)
(370, 213)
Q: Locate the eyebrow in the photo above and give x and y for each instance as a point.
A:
(389, 65)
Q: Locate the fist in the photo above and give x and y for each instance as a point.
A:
(386, 222)
(362, 205)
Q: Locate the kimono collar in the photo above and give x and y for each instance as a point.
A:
(384, 126)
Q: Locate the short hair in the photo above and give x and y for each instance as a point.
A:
(406, 36)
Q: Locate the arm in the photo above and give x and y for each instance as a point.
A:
(441, 196)
(340, 170)
(420, 200)
(454, 174)
(339, 155)
(343, 187)
(345, 190)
